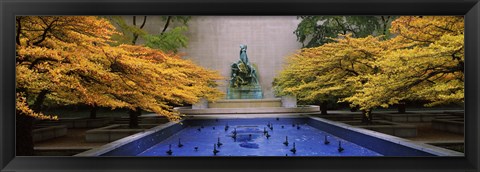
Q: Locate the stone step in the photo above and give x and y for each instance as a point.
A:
(252, 111)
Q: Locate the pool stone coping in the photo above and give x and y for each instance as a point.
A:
(112, 132)
(123, 141)
(438, 151)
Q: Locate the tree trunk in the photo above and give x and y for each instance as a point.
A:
(364, 117)
(134, 114)
(135, 35)
(370, 116)
(353, 109)
(24, 135)
(323, 107)
(93, 112)
(401, 107)
(367, 116)
(24, 127)
(37, 105)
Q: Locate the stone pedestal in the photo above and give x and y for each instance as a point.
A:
(246, 92)
(201, 104)
(246, 103)
(289, 101)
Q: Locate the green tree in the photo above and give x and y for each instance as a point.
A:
(314, 31)
(170, 36)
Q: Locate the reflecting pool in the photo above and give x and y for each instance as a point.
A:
(255, 137)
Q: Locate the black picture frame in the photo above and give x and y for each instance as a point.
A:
(11, 8)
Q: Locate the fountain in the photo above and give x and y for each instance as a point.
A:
(179, 143)
(268, 135)
(245, 95)
(286, 141)
(252, 138)
(294, 149)
(219, 143)
(326, 141)
(244, 79)
(226, 127)
(340, 148)
(169, 151)
(215, 151)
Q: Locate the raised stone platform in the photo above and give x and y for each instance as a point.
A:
(114, 132)
(254, 92)
(246, 103)
(49, 132)
(286, 104)
(387, 127)
(78, 122)
(451, 125)
(414, 117)
(144, 119)
(59, 151)
(300, 109)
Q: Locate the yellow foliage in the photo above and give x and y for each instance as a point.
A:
(22, 106)
(72, 58)
(330, 71)
(424, 61)
(156, 79)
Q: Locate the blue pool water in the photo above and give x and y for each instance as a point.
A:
(199, 139)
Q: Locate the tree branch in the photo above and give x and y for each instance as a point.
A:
(135, 35)
(38, 60)
(144, 21)
(19, 29)
(166, 24)
(37, 105)
(45, 32)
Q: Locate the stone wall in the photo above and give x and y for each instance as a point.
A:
(214, 43)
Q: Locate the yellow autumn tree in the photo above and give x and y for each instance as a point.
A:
(426, 62)
(152, 80)
(58, 56)
(71, 60)
(55, 56)
(331, 71)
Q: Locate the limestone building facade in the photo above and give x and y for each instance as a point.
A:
(214, 43)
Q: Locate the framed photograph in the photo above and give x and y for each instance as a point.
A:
(240, 85)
